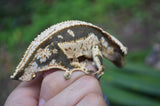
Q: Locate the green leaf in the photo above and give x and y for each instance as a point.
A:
(121, 96)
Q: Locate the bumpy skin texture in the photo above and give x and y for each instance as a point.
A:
(68, 46)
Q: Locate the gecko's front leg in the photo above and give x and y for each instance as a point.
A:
(98, 60)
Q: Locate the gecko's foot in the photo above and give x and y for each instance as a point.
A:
(98, 75)
(67, 75)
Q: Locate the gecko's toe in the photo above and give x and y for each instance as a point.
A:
(67, 75)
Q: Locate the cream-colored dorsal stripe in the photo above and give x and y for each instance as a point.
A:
(54, 29)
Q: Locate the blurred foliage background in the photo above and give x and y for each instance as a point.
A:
(134, 22)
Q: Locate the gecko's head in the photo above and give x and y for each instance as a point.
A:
(113, 55)
(114, 51)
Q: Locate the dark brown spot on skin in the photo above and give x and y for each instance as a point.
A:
(74, 49)
(81, 46)
(69, 48)
(66, 49)
(87, 48)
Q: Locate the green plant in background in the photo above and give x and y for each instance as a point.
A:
(31, 17)
(136, 83)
